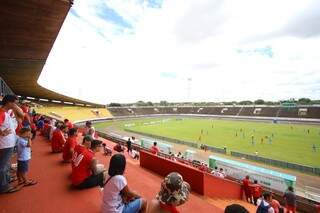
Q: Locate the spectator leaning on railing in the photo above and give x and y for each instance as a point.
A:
(290, 199)
(154, 149)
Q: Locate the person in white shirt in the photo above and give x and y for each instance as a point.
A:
(89, 129)
(8, 138)
(117, 197)
(264, 203)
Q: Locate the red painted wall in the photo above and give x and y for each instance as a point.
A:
(221, 188)
(163, 167)
(200, 182)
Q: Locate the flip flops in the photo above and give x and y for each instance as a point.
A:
(30, 183)
(13, 189)
(13, 179)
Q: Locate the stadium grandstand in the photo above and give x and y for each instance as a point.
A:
(29, 29)
(300, 112)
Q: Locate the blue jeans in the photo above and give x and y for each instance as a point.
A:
(5, 157)
(133, 206)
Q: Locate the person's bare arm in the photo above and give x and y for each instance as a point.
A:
(5, 132)
(17, 112)
(128, 193)
(93, 166)
(29, 144)
(71, 151)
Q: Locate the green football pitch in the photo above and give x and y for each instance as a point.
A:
(287, 142)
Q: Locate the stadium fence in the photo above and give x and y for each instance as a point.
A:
(214, 149)
(278, 163)
(188, 143)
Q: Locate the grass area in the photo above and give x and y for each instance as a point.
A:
(289, 142)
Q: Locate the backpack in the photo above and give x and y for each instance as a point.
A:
(262, 208)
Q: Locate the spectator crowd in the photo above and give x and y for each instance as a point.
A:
(19, 127)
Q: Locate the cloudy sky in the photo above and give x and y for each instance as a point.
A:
(187, 50)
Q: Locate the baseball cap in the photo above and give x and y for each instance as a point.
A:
(174, 191)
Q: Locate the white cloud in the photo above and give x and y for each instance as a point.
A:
(99, 60)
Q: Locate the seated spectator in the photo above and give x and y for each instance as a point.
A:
(118, 147)
(179, 155)
(154, 149)
(222, 173)
(203, 167)
(219, 173)
(215, 170)
(68, 123)
(134, 154)
(106, 150)
(290, 199)
(58, 138)
(174, 192)
(235, 208)
(246, 189)
(172, 157)
(85, 170)
(256, 191)
(24, 156)
(264, 204)
(70, 144)
(117, 197)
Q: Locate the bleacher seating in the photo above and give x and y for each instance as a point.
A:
(313, 112)
(73, 113)
(264, 111)
(247, 111)
(269, 111)
(288, 112)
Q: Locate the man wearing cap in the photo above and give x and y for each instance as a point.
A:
(174, 192)
(8, 125)
(85, 170)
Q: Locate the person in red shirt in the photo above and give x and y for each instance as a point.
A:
(33, 130)
(275, 205)
(46, 128)
(246, 189)
(256, 191)
(70, 144)
(154, 149)
(68, 123)
(58, 138)
(118, 147)
(85, 169)
(26, 121)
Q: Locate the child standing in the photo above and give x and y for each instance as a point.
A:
(24, 156)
